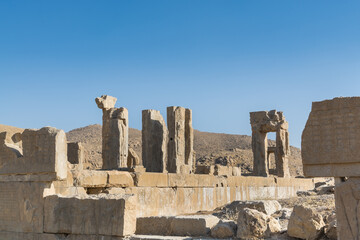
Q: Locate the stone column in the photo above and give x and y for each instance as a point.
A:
(189, 138)
(282, 152)
(259, 147)
(115, 133)
(154, 141)
(176, 146)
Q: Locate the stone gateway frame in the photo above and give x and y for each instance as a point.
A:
(262, 123)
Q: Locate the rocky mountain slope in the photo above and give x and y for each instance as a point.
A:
(210, 148)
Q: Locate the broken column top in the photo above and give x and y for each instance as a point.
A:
(105, 102)
(331, 139)
(268, 120)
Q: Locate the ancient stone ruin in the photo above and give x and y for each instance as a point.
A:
(330, 148)
(168, 148)
(262, 123)
(46, 194)
(154, 141)
(181, 140)
(115, 132)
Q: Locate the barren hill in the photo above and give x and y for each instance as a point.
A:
(210, 148)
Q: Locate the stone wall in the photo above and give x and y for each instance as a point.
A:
(173, 194)
(43, 151)
(331, 140)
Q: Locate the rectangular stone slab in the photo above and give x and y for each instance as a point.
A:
(102, 214)
(21, 206)
(331, 139)
(44, 152)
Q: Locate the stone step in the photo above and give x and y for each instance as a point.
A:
(157, 237)
(189, 225)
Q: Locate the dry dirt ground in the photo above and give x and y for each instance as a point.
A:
(210, 148)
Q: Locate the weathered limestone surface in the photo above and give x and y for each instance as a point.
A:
(47, 177)
(194, 225)
(347, 201)
(134, 163)
(173, 194)
(8, 235)
(220, 170)
(21, 206)
(203, 169)
(159, 225)
(115, 133)
(101, 178)
(46, 236)
(191, 225)
(181, 138)
(262, 123)
(90, 178)
(75, 153)
(106, 102)
(43, 151)
(101, 214)
(305, 223)
(329, 145)
(330, 139)
(224, 229)
(189, 138)
(119, 179)
(154, 141)
(268, 207)
(132, 159)
(253, 224)
(151, 180)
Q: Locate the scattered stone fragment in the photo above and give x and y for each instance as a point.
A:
(224, 229)
(283, 213)
(305, 223)
(253, 224)
(193, 225)
(330, 230)
(265, 206)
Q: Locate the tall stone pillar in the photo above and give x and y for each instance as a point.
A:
(189, 138)
(259, 147)
(115, 133)
(154, 141)
(282, 152)
(176, 146)
(181, 140)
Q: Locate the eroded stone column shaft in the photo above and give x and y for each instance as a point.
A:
(154, 141)
(176, 146)
(115, 135)
(282, 152)
(189, 138)
(259, 146)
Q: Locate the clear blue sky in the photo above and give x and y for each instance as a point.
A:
(222, 59)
